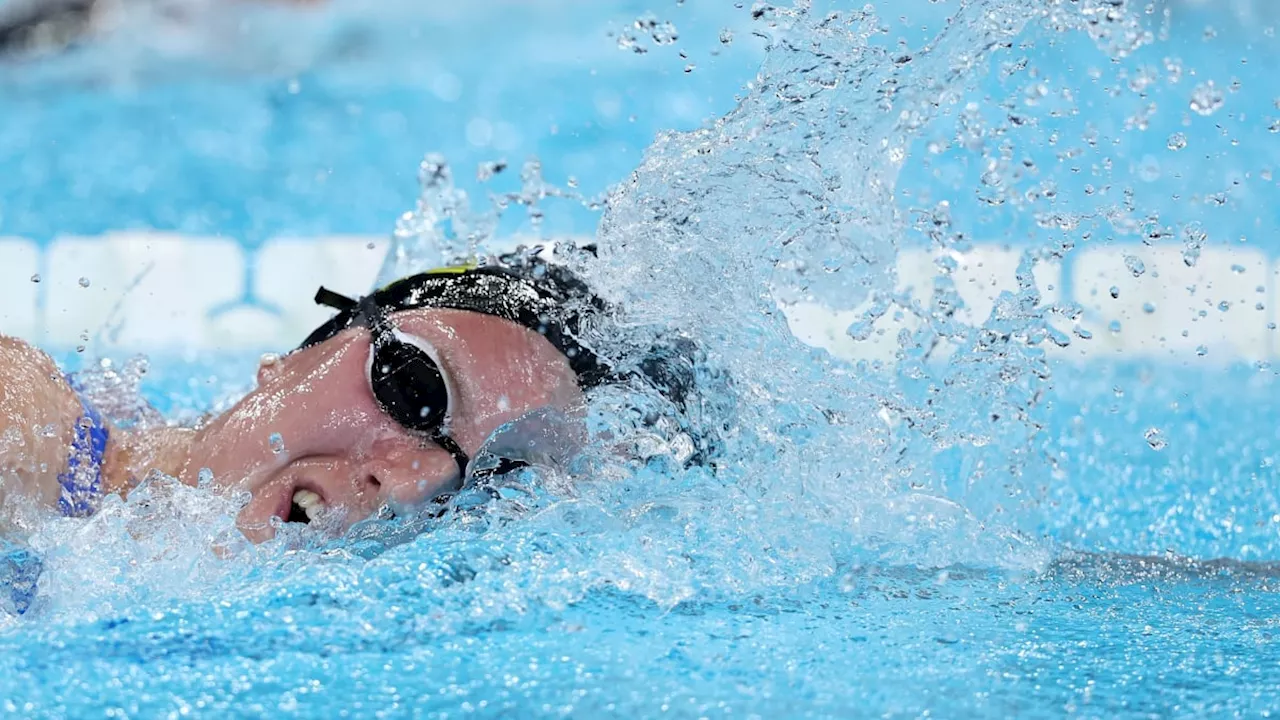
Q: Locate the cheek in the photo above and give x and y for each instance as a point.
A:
(514, 389)
(494, 396)
(318, 408)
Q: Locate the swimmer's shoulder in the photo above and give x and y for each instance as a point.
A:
(38, 412)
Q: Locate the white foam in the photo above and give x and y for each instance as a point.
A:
(980, 276)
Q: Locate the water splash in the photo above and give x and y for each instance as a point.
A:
(936, 457)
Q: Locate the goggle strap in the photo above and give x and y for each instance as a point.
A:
(337, 301)
(451, 446)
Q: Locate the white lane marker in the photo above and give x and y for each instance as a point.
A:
(19, 296)
(288, 271)
(164, 292)
(1148, 302)
(137, 290)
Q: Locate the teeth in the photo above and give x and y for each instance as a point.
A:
(310, 503)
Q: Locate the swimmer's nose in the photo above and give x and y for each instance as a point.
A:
(413, 481)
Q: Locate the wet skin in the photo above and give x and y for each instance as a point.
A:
(334, 440)
(340, 445)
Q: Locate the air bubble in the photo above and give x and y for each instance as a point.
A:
(1177, 141)
(276, 442)
(1135, 265)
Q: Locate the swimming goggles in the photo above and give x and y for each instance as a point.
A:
(407, 382)
(521, 288)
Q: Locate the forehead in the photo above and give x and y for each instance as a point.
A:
(499, 369)
(484, 343)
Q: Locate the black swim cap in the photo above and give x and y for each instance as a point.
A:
(523, 288)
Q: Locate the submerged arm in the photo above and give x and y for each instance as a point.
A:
(38, 416)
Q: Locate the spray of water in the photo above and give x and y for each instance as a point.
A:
(822, 465)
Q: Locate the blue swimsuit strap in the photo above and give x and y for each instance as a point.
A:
(82, 482)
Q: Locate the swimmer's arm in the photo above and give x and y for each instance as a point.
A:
(38, 412)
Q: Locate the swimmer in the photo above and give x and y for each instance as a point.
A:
(387, 406)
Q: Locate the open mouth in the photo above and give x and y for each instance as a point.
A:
(305, 506)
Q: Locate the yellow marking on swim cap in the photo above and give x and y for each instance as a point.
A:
(456, 269)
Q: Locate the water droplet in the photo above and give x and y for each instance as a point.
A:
(489, 169)
(848, 583)
(1177, 141)
(1224, 306)
(1202, 350)
(35, 278)
(1206, 99)
(276, 442)
(1148, 308)
(726, 36)
(1155, 439)
(84, 282)
(1135, 265)
(1237, 269)
(1114, 327)
(1115, 292)
(204, 478)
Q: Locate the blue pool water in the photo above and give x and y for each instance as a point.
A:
(1058, 505)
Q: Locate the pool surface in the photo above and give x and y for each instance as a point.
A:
(996, 284)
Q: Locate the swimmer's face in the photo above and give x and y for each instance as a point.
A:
(313, 424)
